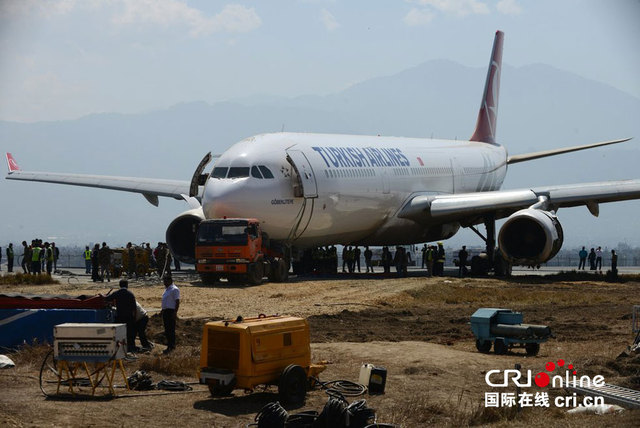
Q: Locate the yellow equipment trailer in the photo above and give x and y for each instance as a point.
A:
(271, 350)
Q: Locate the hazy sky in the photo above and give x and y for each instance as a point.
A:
(62, 59)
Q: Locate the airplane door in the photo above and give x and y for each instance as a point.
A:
(386, 188)
(306, 178)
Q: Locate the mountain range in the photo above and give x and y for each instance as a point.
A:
(540, 108)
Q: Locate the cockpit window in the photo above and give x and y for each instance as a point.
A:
(255, 172)
(238, 172)
(219, 172)
(266, 172)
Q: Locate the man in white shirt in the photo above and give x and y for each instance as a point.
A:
(170, 305)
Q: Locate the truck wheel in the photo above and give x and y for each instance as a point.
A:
(293, 385)
(532, 349)
(208, 278)
(255, 273)
(483, 346)
(499, 347)
(280, 270)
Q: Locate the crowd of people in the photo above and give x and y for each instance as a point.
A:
(594, 256)
(99, 261)
(37, 257)
(42, 257)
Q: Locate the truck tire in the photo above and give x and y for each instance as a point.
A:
(499, 347)
(280, 270)
(483, 346)
(532, 349)
(255, 273)
(208, 278)
(292, 387)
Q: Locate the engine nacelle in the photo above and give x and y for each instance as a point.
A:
(530, 237)
(181, 235)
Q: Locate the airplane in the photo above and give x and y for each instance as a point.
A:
(312, 190)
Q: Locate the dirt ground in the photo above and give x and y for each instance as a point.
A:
(416, 327)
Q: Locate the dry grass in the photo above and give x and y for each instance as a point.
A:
(457, 411)
(26, 279)
(29, 357)
(498, 297)
(183, 361)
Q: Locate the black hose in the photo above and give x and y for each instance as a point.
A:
(173, 385)
(272, 415)
(342, 388)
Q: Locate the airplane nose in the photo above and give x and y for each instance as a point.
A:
(224, 198)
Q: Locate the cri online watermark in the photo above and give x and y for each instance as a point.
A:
(503, 378)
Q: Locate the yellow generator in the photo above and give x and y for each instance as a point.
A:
(267, 350)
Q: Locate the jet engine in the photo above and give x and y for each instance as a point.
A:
(530, 237)
(181, 235)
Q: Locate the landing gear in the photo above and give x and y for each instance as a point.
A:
(279, 270)
(493, 260)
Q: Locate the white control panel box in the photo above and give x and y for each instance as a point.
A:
(89, 342)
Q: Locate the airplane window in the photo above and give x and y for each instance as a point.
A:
(219, 172)
(255, 172)
(238, 172)
(266, 172)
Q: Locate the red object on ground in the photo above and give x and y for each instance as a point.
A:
(47, 301)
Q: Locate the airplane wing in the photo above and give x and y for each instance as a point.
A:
(469, 208)
(543, 154)
(150, 188)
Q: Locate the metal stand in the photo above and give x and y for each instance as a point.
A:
(71, 369)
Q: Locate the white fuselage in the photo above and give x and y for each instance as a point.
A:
(347, 189)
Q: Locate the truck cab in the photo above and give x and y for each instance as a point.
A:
(236, 249)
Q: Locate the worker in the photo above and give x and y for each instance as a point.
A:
(104, 256)
(592, 259)
(125, 303)
(35, 257)
(582, 254)
(56, 256)
(131, 260)
(614, 263)
(170, 305)
(10, 258)
(424, 256)
(150, 259)
(48, 255)
(356, 254)
(438, 269)
(142, 319)
(87, 259)
(95, 263)
(26, 258)
(386, 259)
(368, 254)
(429, 259)
(462, 261)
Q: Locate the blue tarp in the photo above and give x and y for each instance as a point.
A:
(24, 326)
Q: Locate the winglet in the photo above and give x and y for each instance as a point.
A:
(12, 164)
(488, 115)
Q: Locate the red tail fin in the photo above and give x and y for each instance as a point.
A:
(488, 114)
(11, 163)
